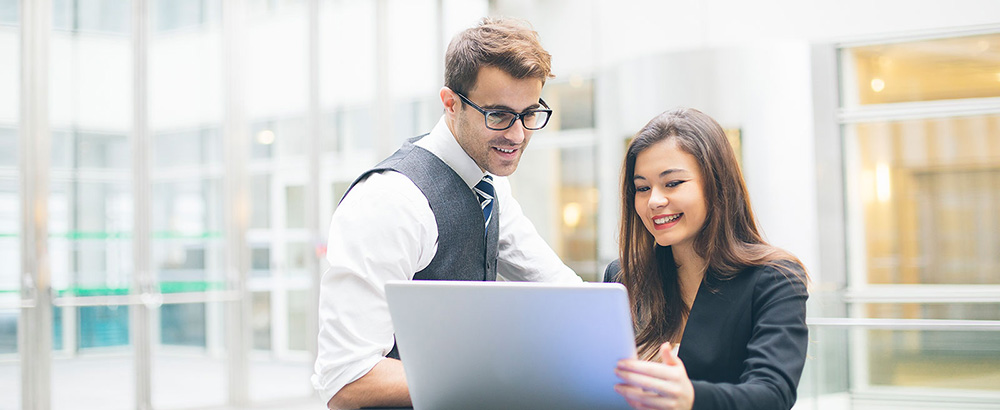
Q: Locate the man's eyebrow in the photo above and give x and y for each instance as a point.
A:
(499, 107)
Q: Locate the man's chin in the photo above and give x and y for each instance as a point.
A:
(503, 170)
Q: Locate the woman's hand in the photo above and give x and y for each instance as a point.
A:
(655, 385)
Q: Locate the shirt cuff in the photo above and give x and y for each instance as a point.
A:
(328, 384)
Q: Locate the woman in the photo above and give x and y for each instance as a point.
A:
(700, 277)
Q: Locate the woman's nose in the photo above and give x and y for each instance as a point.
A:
(658, 200)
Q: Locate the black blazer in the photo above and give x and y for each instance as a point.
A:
(745, 341)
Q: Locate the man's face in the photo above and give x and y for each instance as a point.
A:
(496, 152)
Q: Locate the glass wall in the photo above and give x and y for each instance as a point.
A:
(921, 138)
(276, 86)
(10, 203)
(90, 199)
(556, 181)
(379, 71)
(186, 174)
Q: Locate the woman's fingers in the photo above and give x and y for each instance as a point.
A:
(654, 369)
(666, 386)
(643, 399)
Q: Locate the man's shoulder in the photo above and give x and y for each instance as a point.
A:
(384, 185)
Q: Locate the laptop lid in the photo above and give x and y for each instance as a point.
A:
(511, 345)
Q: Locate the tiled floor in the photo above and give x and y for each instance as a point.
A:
(106, 382)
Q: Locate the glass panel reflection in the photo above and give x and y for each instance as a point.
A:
(260, 319)
(189, 369)
(298, 303)
(186, 112)
(929, 193)
(942, 311)
(557, 190)
(934, 359)
(944, 69)
(10, 241)
(10, 204)
(10, 364)
(572, 104)
(183, 325)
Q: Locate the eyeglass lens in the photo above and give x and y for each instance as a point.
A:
(502, 120)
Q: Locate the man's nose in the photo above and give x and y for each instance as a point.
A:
(515, 134)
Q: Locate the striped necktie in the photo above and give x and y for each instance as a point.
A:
(484, 190)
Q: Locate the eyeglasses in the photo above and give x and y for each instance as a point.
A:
(499, 120)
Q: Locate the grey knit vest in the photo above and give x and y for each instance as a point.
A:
(464, 251)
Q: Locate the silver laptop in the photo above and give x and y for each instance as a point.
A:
(511, 345)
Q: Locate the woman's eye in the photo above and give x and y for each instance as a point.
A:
(642, 189)
(673, 184)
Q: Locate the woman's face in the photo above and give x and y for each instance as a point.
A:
(669, 196)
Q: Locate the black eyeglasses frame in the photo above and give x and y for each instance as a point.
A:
(486, 114)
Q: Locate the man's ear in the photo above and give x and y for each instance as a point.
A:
(449, 100)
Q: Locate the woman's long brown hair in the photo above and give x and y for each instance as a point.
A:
(729, 240)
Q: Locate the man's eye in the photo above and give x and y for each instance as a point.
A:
(499, 117)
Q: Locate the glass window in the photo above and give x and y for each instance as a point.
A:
(298, 303)
(347, 91)
(967, 311)
(260, 202)
(923, 211)
(184, 375)
(935, 359)
(557, 190)
(195, 147)
(9, 14)
(261, 320)
(10, 226)
(295, 207)
(186, 111)
(183, 325)
(108, 16)
(181, 14)
(10, 370)
(929, 193)
(572, 104)
(91, 200)
(941, 69)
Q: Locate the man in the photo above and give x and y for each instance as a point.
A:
(439, 208)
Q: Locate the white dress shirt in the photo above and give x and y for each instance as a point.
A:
(385, 230)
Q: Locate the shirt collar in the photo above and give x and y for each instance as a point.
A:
(442, 143)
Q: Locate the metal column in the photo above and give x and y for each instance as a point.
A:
(237, 205)
(142, 279)
(35, 325)
(313, 150)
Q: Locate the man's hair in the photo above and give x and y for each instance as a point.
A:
(507, 44)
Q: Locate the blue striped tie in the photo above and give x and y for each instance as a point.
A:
(484, 190)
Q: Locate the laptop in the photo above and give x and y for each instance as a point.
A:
(511, 345)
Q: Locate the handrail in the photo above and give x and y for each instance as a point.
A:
(151, 300)
(923, 294)
(906, 324)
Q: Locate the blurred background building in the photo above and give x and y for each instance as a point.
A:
(168, 169)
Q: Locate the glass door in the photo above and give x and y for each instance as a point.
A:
(921, 139)
(10, 202)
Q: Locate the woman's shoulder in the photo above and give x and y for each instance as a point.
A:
(613, 272)
(780, 274)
